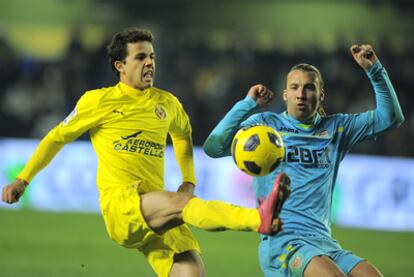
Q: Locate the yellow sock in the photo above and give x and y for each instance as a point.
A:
(219, 216)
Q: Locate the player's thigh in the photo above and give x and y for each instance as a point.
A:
(365, 269)
(321, 266)
(187, 264)
(159, 207)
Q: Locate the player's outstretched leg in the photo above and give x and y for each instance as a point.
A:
(269, 209)
(217, 215)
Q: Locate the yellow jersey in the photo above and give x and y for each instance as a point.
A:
(128, 129)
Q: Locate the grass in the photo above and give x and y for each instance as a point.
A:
(64, 244)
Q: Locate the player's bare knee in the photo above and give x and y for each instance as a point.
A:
(332, 273)
(180, 199)
(188, 263)
(323, 266)
(337, 272)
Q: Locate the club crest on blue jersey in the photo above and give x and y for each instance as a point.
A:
(70, 117)
(296, 263)
(160, 112)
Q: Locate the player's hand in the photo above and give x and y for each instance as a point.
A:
(186, 187)
(261, 94)
(364, 55)
(12, 192)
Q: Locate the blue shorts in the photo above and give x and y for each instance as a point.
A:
(288, 253)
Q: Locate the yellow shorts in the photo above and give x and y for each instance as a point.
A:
(126, 226)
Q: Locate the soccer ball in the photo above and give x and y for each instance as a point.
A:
(257, 150)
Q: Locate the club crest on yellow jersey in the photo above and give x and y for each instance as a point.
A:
(160, 112)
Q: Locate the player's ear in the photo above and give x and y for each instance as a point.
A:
(322, 96)
(119, 66)
(284, 95)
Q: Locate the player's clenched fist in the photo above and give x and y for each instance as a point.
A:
(11, 193)
(364, 55)
(261, 94)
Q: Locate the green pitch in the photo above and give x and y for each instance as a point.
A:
(61, 244)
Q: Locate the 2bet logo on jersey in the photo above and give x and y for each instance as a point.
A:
(257, 150)
(309, 158)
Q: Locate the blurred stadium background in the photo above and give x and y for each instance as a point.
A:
(208, 54)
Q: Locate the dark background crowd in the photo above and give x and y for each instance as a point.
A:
(36, 93)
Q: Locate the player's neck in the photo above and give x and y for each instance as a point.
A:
(308, 121)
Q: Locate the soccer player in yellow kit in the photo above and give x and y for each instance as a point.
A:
(128, 125)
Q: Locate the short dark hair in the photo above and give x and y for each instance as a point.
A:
(117, 48)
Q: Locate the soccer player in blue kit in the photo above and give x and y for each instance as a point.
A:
(315, 144)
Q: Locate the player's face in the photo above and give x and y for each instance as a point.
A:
(303, 94)
(138, 69)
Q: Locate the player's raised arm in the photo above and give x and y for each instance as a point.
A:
(388, 113)
(261, 95)
(364, 55)
(218, 142)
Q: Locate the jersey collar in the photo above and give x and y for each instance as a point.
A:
(306, 126)
(132, 91)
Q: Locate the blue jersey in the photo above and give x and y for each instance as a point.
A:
(313, 151)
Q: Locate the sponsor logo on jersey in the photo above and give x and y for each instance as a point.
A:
(160, 112)
(289, 130)
(134, 135)
(132, 144)
(70, 117)
(309, 158)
